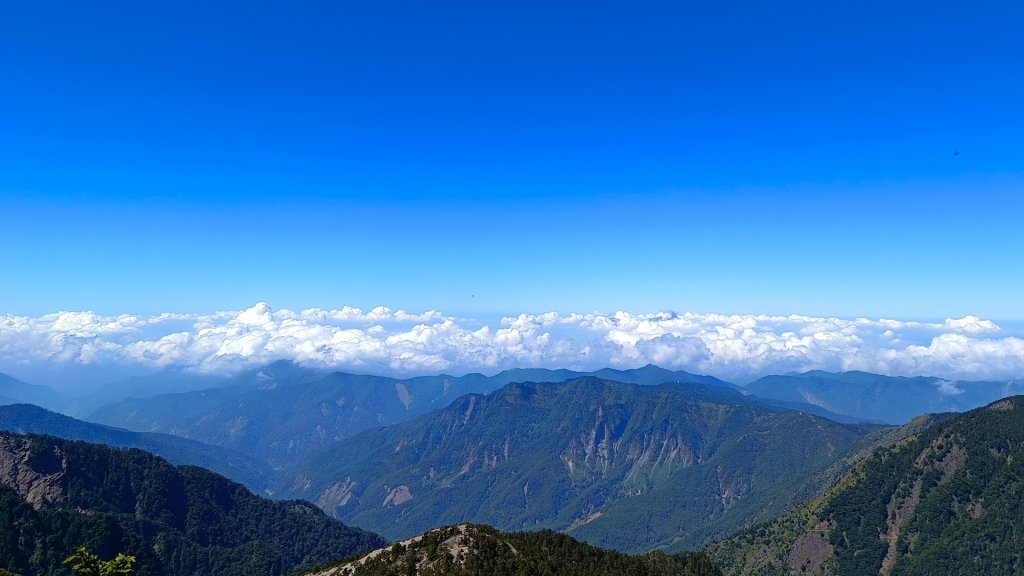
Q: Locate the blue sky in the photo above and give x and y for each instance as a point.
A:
(846, 159)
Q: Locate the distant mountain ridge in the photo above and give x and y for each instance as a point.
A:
(168, 381)
(14, 391)
(179, 380)
(888, 399)
(29, 419)
(618, 465)
(292, 418)
(842, 396)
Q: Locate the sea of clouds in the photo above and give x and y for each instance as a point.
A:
(396, 342)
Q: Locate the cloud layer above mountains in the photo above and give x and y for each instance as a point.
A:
(386, 341)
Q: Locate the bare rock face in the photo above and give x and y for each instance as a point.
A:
(811, 550)
(457, 543)
(337, 494)
(36, 474)
(473, 549)
(397, 496)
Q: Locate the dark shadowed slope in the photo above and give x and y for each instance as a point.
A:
(58, 494)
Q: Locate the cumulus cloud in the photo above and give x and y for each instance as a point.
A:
(388, 341)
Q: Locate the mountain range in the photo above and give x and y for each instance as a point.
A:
(620, 465)
(887, 399)
(284, 420)
(142, 403)
(672, 465)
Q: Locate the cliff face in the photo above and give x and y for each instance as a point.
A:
(35, 473)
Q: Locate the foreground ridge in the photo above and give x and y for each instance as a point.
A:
(946, 500)
(466, 549)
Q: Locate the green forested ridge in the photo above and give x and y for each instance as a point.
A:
(618, 465)
(947, 500)
(818, 482)
(467, 550)
(57, 495)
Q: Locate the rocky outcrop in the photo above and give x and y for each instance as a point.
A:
(455, 543)
(35, 472)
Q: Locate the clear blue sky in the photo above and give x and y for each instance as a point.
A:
(829, 158)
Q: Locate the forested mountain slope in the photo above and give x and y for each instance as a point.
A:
(619, 465)
(947, 500)
(177, 521)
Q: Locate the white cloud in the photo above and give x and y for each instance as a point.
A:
(971, 324)
(948, 388)
(384, 340)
